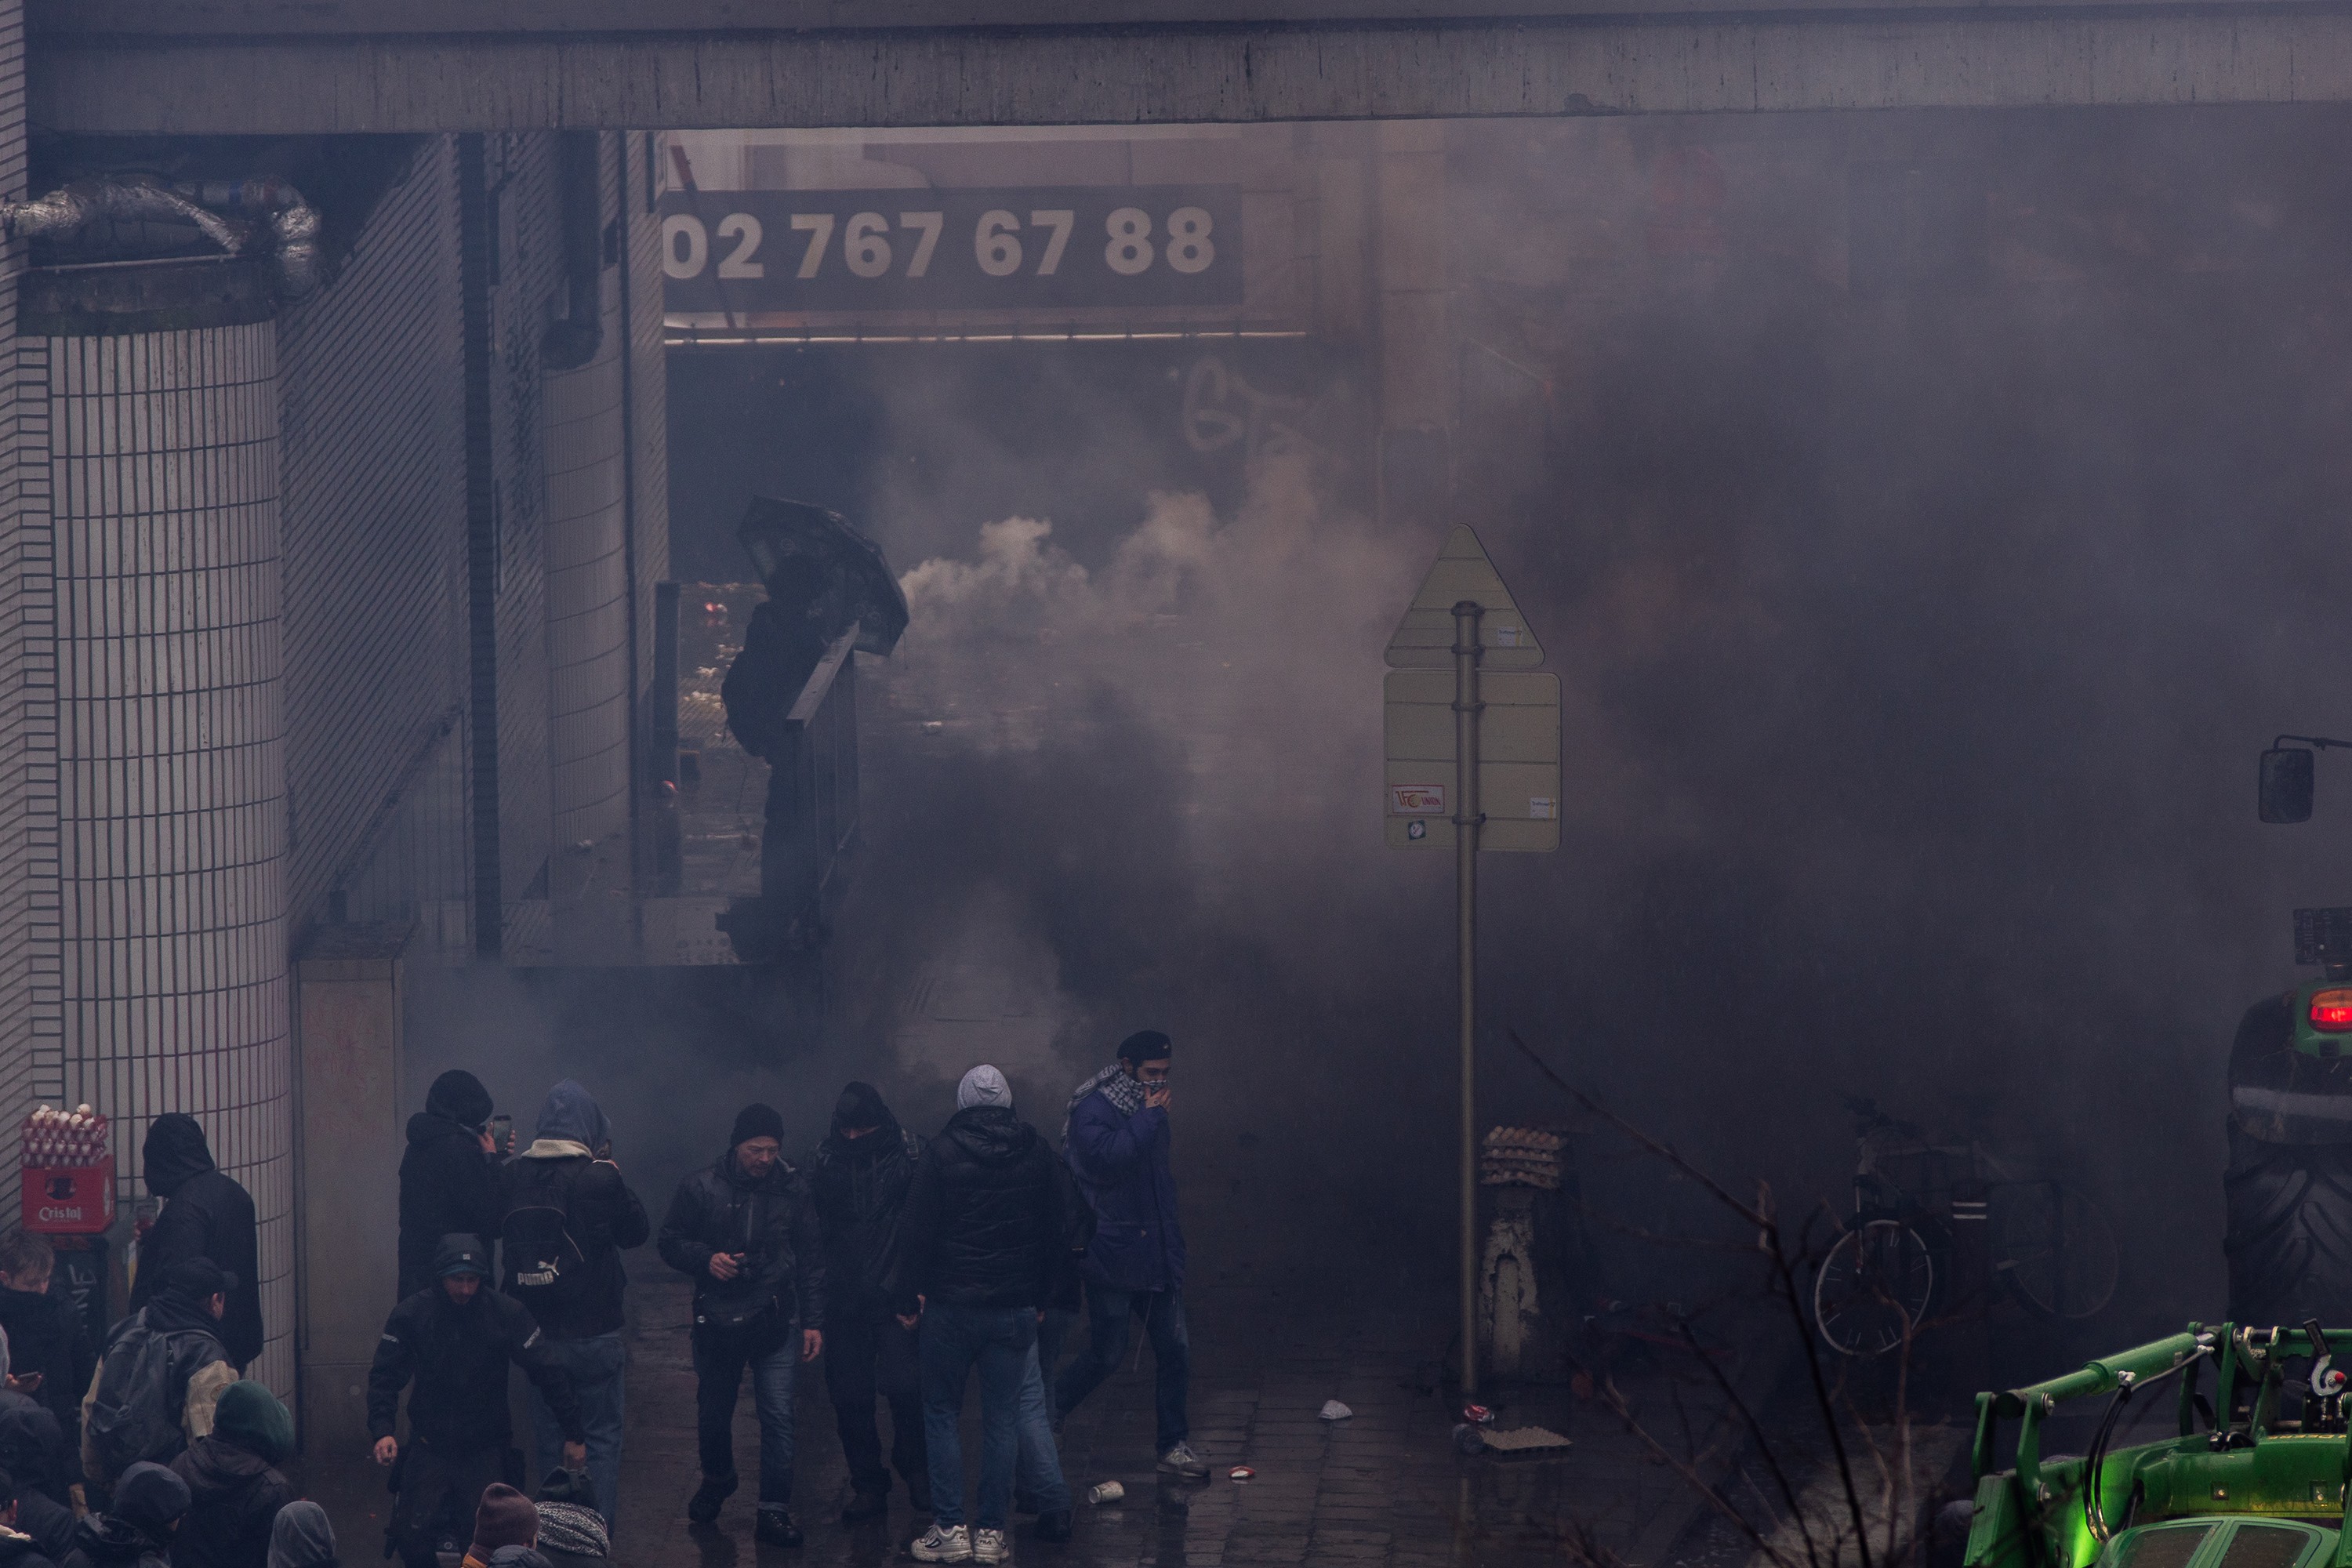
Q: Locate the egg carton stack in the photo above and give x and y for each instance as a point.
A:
(67, 1180)
(1520, 1157)
(76, 1137)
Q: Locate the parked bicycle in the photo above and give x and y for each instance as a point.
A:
(2049, 1246)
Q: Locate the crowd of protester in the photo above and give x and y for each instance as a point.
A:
(903, 1264)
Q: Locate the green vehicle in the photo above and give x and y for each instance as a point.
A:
(2261, 1486)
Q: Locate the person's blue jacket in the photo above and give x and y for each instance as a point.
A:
(1122, 1164)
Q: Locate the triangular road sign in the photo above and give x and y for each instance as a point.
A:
(1424, 638)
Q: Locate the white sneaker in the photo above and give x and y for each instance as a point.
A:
(952, 1544)
(991, 1546)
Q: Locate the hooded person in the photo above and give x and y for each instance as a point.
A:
(503, 1520)
(18, 1549)
(979, 1255)
(572, 1533)
(137, 1529)
(447, 1183)
(450, 1345)
(162, 1374)
(205, 1214)
(744, 1230)
(1116, 1141)
(301, 1537)
(33, 1450)
(858, 1179)
(233, 1486)
(568, 1215)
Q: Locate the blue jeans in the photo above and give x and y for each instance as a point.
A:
(599, 1369)
(1003, 1341)
(721, 1356)
(1172, 1353)
(1037, 1465)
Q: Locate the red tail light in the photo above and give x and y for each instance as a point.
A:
(2331, 1010)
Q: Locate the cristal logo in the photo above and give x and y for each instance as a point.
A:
(49, 1213)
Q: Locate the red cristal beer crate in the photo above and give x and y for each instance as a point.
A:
(67, 1169)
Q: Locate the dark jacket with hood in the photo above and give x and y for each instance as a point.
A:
(138, 1531)
(566, 1168)
(33, 1452)
(47, 1335)
(720, 1209)
(860, 1186)
(983, 1221)
(1122, 1164)
(458, 1358)
(447, 1185)
(205, 1214)
(238, 1493)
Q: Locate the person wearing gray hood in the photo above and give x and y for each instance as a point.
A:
(301, 1537)
(567, 1217)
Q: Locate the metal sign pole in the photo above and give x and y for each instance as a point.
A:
(1466, 819)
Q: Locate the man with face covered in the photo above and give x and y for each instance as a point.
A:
(1118, 1142)
(858, 1177)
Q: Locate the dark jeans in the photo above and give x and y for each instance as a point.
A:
(1000, 1340)
(1050, 1333)
(771, 1351)
(866, 1356)
(1107, 1312)
(599, 1369)
(439, 1490)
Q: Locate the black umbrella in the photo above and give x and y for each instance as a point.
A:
(810, 556)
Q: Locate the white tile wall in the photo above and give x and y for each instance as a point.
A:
(164, 469)
(587, 585)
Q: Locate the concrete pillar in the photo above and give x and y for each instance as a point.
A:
(588, 589)
(349, 1019)
(164, 465)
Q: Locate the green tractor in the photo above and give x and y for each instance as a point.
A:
(2255, 1487)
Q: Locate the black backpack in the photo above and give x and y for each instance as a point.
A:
(134, 1414)
(545, 1265)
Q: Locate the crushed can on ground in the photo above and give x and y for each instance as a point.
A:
(1107, 1492)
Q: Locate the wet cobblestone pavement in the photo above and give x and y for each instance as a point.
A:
(1383, 1488)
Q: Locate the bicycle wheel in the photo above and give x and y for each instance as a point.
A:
(1873, 1287)
(2055, 1248)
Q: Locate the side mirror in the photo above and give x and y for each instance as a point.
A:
(2286, 779)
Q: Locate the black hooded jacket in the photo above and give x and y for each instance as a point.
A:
(719, 1209)
(205, 1214)
(236, 1496)
(46, 1335)
(102, 1541)
(447, 1186)
(457, 1357)
(32, 1451)
(860, 1187)
(983, 1221)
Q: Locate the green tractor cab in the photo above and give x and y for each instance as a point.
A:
(2252, 1489)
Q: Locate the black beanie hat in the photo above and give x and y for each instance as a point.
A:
(860, 1105)
(756, 1121)
(1145, 1045)
(459, 1096)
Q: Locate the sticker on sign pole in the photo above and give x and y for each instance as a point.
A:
(1416, 800)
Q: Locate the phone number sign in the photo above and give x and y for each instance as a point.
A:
(744, 251)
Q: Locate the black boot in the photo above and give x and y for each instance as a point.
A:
(918, 1493)
(776, 1529)
(1055, 1526)
(867, 1502)
(702, 1508)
